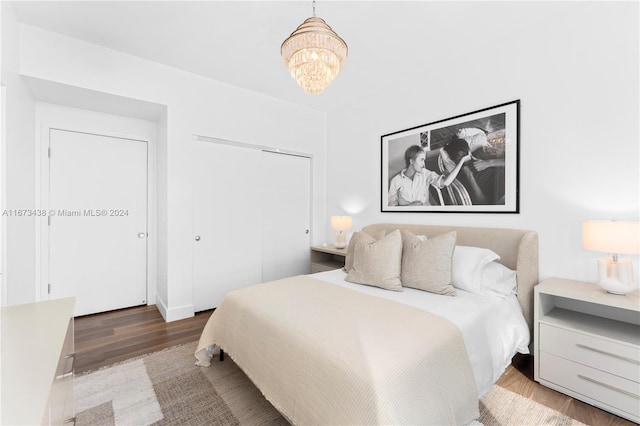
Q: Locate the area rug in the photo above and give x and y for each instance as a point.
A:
(165, 388)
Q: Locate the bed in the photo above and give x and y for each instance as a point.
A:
(324, 350)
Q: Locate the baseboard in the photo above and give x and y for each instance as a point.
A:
(174, 314)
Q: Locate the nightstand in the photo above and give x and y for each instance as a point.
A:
(327, 258)
(587, 344)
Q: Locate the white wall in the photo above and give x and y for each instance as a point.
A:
(577, 78)
(20, 268)
(195, 105)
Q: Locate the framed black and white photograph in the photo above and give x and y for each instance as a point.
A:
(464, 164)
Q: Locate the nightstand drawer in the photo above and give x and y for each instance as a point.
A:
(612, 357)
(606, 388)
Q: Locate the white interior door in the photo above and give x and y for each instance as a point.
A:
(98, 236)
(227, 212)
(286, 217)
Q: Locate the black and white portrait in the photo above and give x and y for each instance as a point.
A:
(467, 163)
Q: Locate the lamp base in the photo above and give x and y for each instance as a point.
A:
(341, 240)
(616, 277)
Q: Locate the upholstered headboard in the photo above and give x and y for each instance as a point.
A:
(517, 248)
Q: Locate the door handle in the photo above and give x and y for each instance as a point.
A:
(142, 234)
(197, 238)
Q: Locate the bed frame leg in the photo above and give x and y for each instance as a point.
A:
(221, 355)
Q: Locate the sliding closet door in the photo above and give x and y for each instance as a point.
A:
(227, 249)
(286, 217)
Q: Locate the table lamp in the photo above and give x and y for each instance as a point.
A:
(341, 224)
(614, 237)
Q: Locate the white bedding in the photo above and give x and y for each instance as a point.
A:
(493, 328)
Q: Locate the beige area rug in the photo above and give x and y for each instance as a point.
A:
(166, 388)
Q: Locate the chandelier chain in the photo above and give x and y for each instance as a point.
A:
(314, 8)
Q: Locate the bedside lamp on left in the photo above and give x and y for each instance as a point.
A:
(341, 224)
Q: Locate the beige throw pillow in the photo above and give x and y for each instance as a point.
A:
(348, 261)
(377, 262)
(426, 265)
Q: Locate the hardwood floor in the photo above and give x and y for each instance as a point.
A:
(104, 339)
(110, 337)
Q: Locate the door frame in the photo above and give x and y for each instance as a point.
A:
(3, 194)
(57, 117)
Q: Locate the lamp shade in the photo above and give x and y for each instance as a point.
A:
(610, 236)
(341, 223)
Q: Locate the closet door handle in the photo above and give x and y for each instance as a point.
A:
(197, 238)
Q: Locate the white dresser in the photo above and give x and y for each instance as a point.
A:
(37, 363)
(587, 344)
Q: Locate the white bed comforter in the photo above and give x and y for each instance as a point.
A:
(322, 354)
(493, 328)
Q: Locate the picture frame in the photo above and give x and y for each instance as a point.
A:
(487, 144)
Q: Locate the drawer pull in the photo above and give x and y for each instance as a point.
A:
(635, 361)
(598, 382)
(69, 372)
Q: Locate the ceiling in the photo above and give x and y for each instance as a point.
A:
(238, 42)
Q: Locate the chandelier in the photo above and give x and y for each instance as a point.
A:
(314, 54)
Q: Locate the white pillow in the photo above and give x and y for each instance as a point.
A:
(467, 266)
(498, 280)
